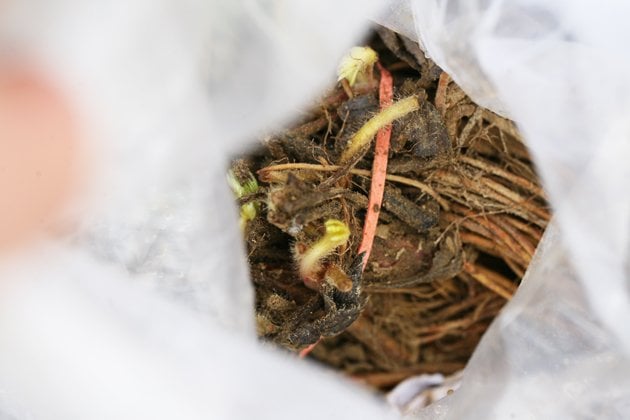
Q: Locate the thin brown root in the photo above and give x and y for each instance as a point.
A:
(360, 172)
(492, 280)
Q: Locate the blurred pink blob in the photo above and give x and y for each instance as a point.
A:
(38, 148)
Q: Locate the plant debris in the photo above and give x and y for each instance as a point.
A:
(461, 214)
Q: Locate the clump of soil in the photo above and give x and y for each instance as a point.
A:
(462, 214)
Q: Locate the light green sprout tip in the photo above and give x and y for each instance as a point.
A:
(357, 65)
(337, 234)
(248, 186)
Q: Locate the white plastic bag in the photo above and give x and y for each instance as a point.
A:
(142, 308)
(168, 90)
(561, 348)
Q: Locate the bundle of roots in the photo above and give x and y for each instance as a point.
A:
(460, 219)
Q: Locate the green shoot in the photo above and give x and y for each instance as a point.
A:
(337, 234)
(364, 136)
(358, 65)
(248, 186)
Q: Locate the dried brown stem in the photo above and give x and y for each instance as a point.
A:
(360, 172)
(492, 280)
(310, 127)
(500, 172)
(366, 332)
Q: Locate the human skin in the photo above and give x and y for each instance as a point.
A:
(38, 149)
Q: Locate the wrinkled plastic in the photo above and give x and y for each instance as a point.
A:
(143, 310)
(561, 348)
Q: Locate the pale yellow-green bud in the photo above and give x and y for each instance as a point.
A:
(241, 189)
(337, 234)
(366, 133)
(357, 65)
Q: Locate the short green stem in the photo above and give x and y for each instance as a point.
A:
(337, 234)
(366, 133)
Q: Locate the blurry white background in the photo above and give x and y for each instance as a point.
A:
(130, 299)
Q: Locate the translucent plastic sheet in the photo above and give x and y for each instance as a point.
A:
(142, 309)
(556, 68)
(561, 348)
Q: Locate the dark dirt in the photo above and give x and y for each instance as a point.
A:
(462, 214)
